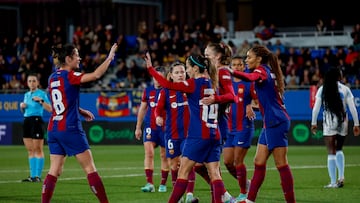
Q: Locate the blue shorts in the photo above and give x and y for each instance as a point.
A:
(174, 147)
(241, 139)
(229, 139)
(276, 136)
(156, 136)
(67, 143)
(202, 151)
(223, 126)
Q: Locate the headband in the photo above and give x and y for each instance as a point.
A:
(196, 63)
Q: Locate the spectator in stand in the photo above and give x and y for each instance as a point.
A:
(355, 35)
(278, 45)
(258, 30)
(292, 79)
(334, 27)
(244, 47)
(219, 30)
(122, 46)
(350, 59)
(320, 27)
(174, 25)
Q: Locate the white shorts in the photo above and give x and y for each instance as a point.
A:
(330, 126)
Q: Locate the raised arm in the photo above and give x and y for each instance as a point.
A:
(185, 86)
(100, 70)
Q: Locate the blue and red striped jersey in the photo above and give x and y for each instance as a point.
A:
(175, 104)
(245, 93)
(150, 96)
(64, 90)
(203, 118)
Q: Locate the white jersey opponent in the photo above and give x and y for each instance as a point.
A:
(330, 122)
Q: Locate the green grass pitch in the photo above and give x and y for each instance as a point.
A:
(121, 168)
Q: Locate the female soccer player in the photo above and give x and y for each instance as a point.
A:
(241, 128)
(203, 142)
(269, 86)
(175, 105)
(153, 135)
(220, 55)
(66, 136)
(335, 97)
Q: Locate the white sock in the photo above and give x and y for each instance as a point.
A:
(331, 164)
(340, 164)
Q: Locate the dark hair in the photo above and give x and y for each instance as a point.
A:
(242, 58)
(330, 95)
(204, 64)
(60, 52)
(269, 58)
(33, 75)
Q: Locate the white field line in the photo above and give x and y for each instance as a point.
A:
(142, 174)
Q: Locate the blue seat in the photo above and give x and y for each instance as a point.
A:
(7, 77)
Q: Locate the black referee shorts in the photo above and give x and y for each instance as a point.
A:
(33, 127)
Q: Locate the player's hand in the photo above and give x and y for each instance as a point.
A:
(313, 129)
(148, 60)
(112, 52)
(159, 121)
(356, 131)
(36, 98)
(23, 105)
(87, 115)
(208, 100)
(138, 133)
(250, 114)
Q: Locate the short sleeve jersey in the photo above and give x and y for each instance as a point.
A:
(64, 90)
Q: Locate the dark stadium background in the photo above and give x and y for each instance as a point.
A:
(18, 15)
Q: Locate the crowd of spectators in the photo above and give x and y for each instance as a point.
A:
(167, 42)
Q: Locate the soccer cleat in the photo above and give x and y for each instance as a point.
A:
(331, 186)
(340, 183)
(231, 200)
(36, 179)
(190, 198)
(248, 182)
(241, 197)
(148, 188)
(181, 200)
(162, 188)
(28, 179)
(195, 200)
